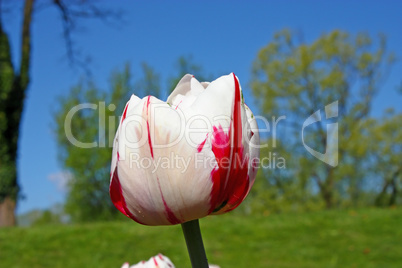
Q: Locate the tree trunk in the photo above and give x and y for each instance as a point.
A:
(7, 212)
(328, 189)
(13, 84)
(26, 47)
(394, 193)
(380, 197)
(379, 201)
(328, 199)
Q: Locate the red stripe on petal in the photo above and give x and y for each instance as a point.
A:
(201, 145)
(238, 177)
(124, 113)
(254, 163)
(221, 150)
(230, 178)
(239, 190)
(149, 133)
(149, 141)
(237, 124)
(169, 213)
(178, 105)
(155, 262)
(116, 194)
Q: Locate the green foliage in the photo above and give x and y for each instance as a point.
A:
(318, 73)
(386, 153)
(361, 238)
(280, 192)
(150, 83)
(296, 79)
(51, 216)
(47, 217)
(89, 168)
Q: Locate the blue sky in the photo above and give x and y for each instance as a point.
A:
(222, 36)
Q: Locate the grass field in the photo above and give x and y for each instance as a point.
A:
(363, 238)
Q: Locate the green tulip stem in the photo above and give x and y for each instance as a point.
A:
(195, 246)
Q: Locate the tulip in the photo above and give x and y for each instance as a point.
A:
(158, 261)
(177, 161)
(213, 136)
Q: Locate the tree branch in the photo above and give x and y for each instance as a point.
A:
(26, 45)
(69, 15)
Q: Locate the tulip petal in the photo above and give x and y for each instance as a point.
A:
(174, 203)
(230, 182)
(254, 149)
(182, 160)
(186, 92)
(131, 137)
(158, 261)
(134, 100)
(185, 183)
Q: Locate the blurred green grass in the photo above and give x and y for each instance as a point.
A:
(363, 238)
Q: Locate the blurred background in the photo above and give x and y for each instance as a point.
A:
(293, 58)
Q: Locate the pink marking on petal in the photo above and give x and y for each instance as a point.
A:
(124, 113)
(116, 194)
(254, 164)
(148, 101)
(230, 182)
(169, 213)
(221, 150)
(237, 124)
(201, 145)
(149, 133)
(149, 141)
(178, 105)
(160, 256)
(155, 262)
(118, 156)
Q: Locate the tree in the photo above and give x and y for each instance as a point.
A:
(296, 79)
(14, 82)
(150, 83)
(385, 154)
